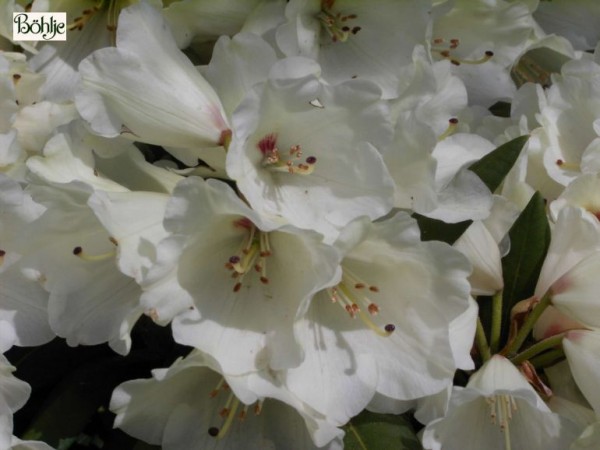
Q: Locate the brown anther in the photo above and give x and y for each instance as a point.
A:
(257, 267)
(257, 408)
(77, 251)
(109, 27)
(445, 53)
(213, 431)
(237, 287)
(373, 288)
(373, 309)
(559, 162)
(87, 12)
(242, 415)
(455, 62)
(346, 28)
(265, 253)
(489, 53)
(2, 253)
(359, 285)
(438, 41)
(390, 328)
(453, 121)
(113, 241)
(234, 259)
(264, 280)
(356, 30)
(224, 412)
(16, 77)
(213, 393)
(311, 160)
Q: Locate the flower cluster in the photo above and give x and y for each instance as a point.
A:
(334, 205)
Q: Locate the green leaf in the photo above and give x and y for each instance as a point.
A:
(370, 431)
(438, 230)
(529, 241)
(493, 167)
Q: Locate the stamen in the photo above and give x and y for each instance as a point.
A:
(276, 162)
(501, 412)
(452, 127)
(453, 45)
(79, 22)
(252, 254)
(229, 419)
(349, 293)
(2, 254)
(335, 23)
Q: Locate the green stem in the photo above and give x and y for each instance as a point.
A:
(515, 345)
(481, 340)
(496, 322)
(538, 348)
(549, 358)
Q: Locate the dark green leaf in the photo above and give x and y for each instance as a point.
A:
(529, 241)
(437, 230)
(493, 167)
(500, 109)
(370, 431)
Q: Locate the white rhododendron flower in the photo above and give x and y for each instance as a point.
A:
(202, 409)
(254, 277)
(321, 169)
(504, 412)
(130, 89)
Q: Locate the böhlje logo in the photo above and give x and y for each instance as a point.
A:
(40, 26)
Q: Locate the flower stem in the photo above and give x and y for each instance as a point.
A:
(519, 339)
(496, 322)
(481, 340)
(547, 359)
(538, 348)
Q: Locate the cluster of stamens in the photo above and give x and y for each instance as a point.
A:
(336, 24)
(353, 295)
(252, 255)
(80, 21)
(277, 161)
(78, 251)
(501, 408)
(445, 50)
(229, 411)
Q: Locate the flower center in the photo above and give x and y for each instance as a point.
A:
(252, 255)
(338, 26)
(354, 295)
(501, 410)
(446, 49)
(229, 410)
(277, 161)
